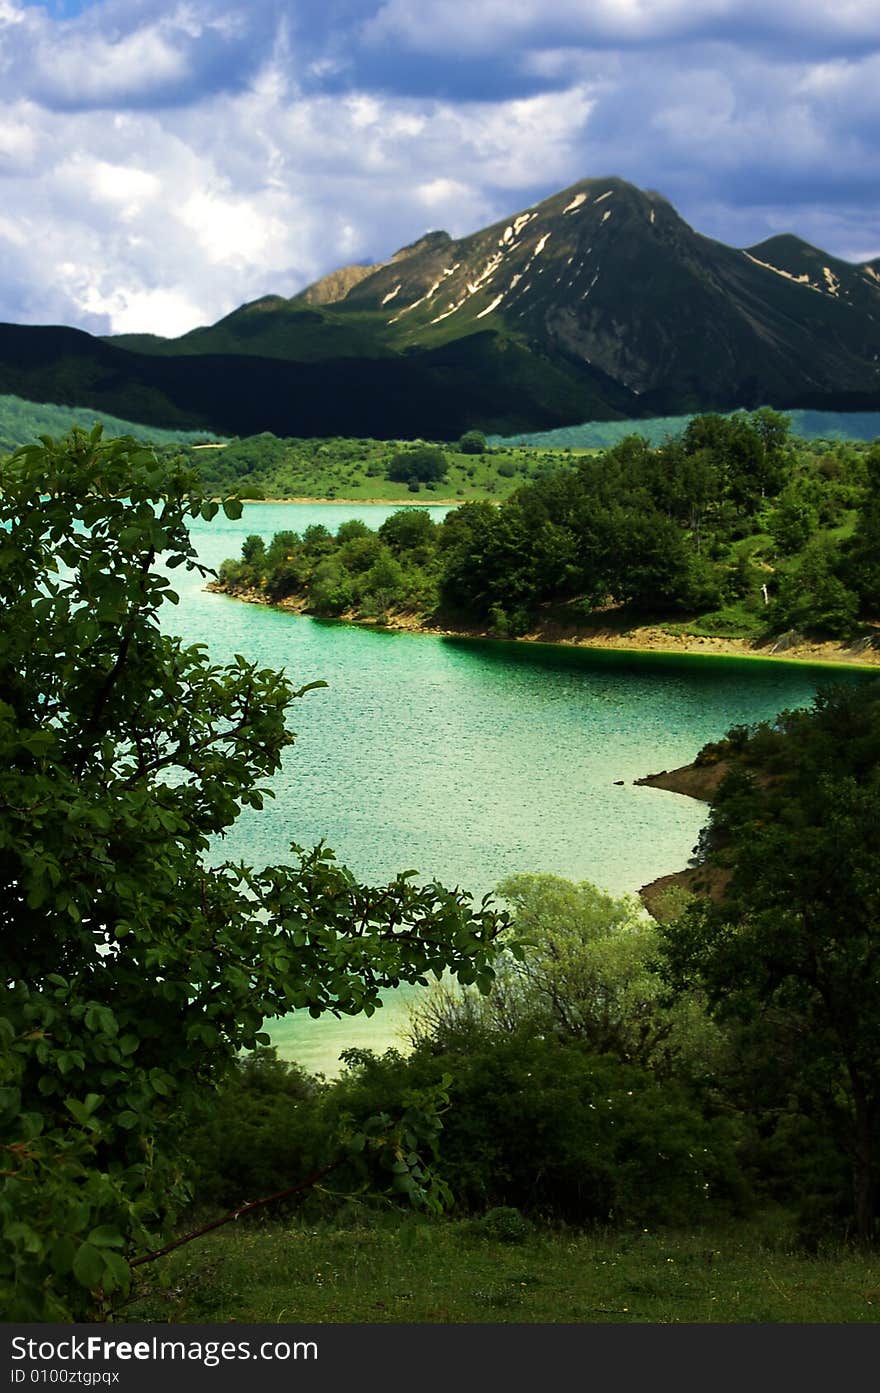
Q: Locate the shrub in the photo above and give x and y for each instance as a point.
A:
(552, 1129)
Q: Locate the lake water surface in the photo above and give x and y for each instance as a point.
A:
(468, 760)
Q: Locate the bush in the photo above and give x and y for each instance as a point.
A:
(553, 1130)
(503, 1225)
(261, 1133)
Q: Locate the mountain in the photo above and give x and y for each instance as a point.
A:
(598, 303)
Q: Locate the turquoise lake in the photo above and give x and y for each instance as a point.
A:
(468, 760)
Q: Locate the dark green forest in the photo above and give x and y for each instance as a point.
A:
(733, 527)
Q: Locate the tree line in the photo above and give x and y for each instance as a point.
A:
(732, 523)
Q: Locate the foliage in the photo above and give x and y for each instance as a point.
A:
(473, 442)
(420, 464)
(358, 570)
(266, 466)
(23, 421)
(133, 970)
(584, 971)
(794, 940)
(824, 426)
(503, 1225)
(812, 596)
(729, 529)
(861, 566)
(553, 1129)
(262, 1131)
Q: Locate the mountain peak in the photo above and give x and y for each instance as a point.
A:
(335, 286)
(430, 242)
(597, 301)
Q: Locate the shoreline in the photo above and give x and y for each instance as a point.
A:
(372, 502)
(645, 639)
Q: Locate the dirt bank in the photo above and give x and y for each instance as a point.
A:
(865, 652)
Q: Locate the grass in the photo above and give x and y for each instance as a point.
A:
(355, 470)
(393, 1271)
(735, 620)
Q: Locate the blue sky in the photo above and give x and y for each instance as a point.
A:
(161, 163)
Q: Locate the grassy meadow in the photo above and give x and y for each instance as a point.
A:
(375, 1270)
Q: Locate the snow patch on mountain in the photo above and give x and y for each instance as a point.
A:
(447, 313)
(577, 202)
(489, 308)
(391, 294)
(798, 280)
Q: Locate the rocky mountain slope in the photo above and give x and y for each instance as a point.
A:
(599, 302)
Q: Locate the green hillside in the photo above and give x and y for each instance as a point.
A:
(591, 435)
(23, 421)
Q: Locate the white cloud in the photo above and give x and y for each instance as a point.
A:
(180, 216)
(135, 310)
(440, 192)
(439, 26)
(171, 161)
(89, 69)
(232, 232)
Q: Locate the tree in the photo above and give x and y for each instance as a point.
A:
(473, 442)
(411, 530)
(584, 971)
(796, 933)
(133, 970)
(421, 464)
(862, 556)
(812, 596)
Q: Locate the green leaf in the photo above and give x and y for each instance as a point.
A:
(62, 1255)
(106, 1236)
(82, 1111)
(10, 1101)
(88, 1266)
(117, 1273)
(22, 1236)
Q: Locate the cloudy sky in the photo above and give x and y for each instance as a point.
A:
(161, 163)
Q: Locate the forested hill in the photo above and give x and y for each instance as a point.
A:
(732, 526)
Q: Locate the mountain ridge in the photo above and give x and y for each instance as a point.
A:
(597, 302)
